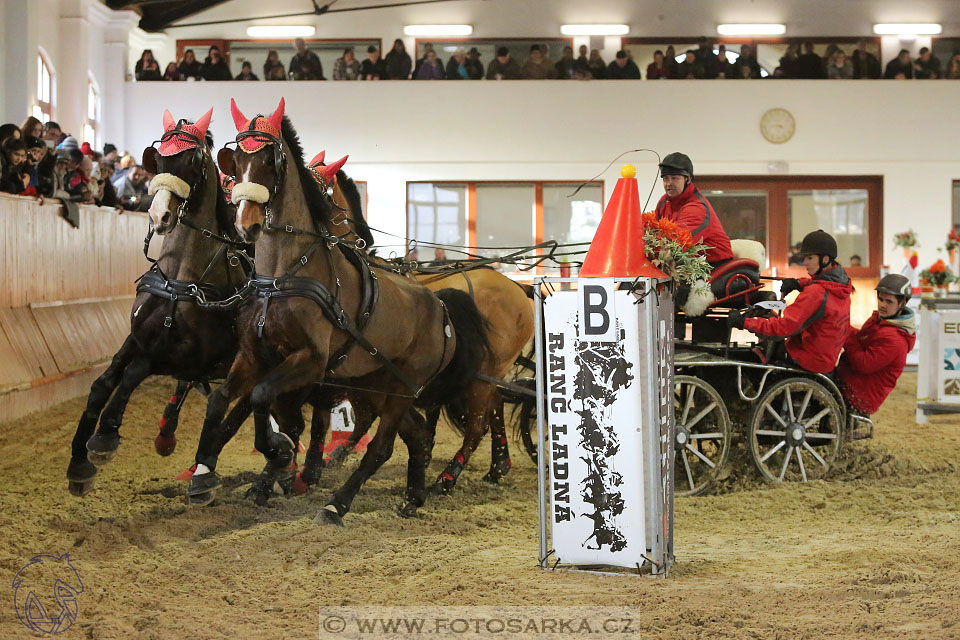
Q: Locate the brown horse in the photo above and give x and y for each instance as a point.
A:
(502, 302)
(318, 316)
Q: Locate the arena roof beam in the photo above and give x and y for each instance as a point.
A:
(160, 18)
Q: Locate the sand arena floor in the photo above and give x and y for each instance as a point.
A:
(872, 553)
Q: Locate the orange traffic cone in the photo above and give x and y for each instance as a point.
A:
(617, 250)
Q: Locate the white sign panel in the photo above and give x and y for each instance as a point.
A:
(948, 383)
(594, 421)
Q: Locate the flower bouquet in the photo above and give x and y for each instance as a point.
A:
(907, 240)
(953, 243)
(671, 249)
(937, 275)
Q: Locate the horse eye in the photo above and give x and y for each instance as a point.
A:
(270, 160)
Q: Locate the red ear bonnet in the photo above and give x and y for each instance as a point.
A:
(176, 144)
(270, 125)
(329, 172)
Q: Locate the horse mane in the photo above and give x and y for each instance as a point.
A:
(349, 189)
(317, 202)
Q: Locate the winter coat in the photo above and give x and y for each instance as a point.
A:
(810, 67)
(474, 69)
(398, 65)
(216, 71)
(873, 359)
(376, 69)
(658, 73)
(816, 324)
(543, 70)
(142, 74)
(894, 67)
(431, 72)
(629, 71)
(307, 66)
(191, 70)
(694, 212)
(344, 71)
(509, 71)
(453, 70)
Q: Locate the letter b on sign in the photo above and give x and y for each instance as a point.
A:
(598, 321)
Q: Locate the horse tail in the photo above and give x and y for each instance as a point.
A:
(449, 388)
(350, 191)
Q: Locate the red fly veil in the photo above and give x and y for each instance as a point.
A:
(269, 125)
(175, 144)
(327, 172)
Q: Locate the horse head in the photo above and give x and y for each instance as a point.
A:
(180, 168)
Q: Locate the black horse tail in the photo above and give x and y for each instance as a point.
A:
(449, 387)
(352, 194)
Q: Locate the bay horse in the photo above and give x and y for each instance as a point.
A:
(319, 315)
(503, 303)
(201, 260)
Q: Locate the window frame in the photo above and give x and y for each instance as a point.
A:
(46, 109)
(778, 213)
(94, 124)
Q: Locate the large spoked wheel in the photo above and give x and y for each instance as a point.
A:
(796, 431)
(703, 435)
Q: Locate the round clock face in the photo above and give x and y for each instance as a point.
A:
(777, 125)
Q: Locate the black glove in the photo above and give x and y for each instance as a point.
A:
(734, 319)
(788, 285)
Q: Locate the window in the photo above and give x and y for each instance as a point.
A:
(43, 110)
(236, 52)
(519, 47)
(956, 205)
(91, 128)
(501, 214)
(779, 211)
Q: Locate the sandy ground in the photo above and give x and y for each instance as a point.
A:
(872, 553)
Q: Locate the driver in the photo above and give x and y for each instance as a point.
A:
(684, 204)
(816, 324)
(873, 358)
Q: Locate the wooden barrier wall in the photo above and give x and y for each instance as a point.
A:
(65, 298)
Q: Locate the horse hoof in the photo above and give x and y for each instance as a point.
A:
(203, 489)
(329, 515)
(201, 499)
(408, 510)
(165, 445)
(80, 489)
(492, 478)
(282, 448)
(100, 458)
(300, 486)
(440, 488)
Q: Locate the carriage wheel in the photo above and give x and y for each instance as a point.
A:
(703, 434)
(796, 431)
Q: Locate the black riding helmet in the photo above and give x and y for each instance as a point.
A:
(819, 243)
(676, 164)
(895, 284)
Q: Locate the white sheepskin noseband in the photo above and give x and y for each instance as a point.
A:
(249, 191)
(171, 183)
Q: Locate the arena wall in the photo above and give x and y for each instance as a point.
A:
(65, 301)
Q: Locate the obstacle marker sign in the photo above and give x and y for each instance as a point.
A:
(594, 421)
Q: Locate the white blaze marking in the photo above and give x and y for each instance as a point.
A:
(159, 206)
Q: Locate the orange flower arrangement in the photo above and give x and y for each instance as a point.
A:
(937, 274)
(668, 229)
(671, 248)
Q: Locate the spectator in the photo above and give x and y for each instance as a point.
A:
(40, 163)
(596, 65)
(172, 72)
(215, 67)
(856, 261)
(537, 67)
(108, 195)
(728, 69)
(90, 178)
(427, 48)
(457, 65)
(246, 72)
(190, 68)
(31, 127)
(670, 62)
(110, 153)
(565, 66)
(474, 66)
(865, 64)
(132, 190)
(790, 62)
(900, 68)
(953, 68)
(927, 66)
(623, 68)
(689, 69)
(126, 162)
(345, 67)
(747, 62)
(9, 130)
(373, 68)
(398, 62)
(810, 65)
(61, 169)
(305, 65)
(657, 70)
(503, 67)
(147, 68)
(51, 134)
(707, 60)
(15, 177)
(432, 68)
(582, 63)
(796, 258)
(273, 68)
(839, 68)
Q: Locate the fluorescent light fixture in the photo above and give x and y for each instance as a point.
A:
(433, 30)
(751, 29)
(281, 31)
(885, 29)
(594, 29)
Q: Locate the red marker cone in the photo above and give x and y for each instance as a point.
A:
(617, 250)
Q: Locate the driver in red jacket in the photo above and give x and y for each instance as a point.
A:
(873, 358)
(684, 204)
(816, 324)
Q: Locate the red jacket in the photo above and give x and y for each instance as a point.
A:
(816, 324)
(873, 359)
(692, 211)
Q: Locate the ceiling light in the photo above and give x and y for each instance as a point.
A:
(751, 29)
(594, 29)
(281, 31)
(931, 29)
(438, 30)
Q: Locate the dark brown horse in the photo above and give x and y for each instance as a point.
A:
(171, 334)
(318, 316)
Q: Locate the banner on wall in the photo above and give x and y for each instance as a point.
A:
(594, 382)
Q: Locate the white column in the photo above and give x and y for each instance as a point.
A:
(116, 70)
(73, 68)
(19, 66)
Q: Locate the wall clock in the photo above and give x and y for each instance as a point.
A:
(777, 125)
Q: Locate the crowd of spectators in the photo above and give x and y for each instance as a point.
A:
(705, 62)
(40, 160)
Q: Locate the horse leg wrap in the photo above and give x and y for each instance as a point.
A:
(449, 476)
